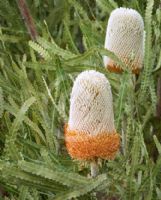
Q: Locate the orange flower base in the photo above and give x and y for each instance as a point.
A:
(112, 67)
(83, 146)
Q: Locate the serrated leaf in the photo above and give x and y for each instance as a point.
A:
(67, 179)
(82, 190)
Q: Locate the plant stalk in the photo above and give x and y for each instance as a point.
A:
(26, 15)
(94, 168)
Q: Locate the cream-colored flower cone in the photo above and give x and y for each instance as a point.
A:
(125, 37)
(91, 108)
(90, 132)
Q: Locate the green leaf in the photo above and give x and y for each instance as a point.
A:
(82, 190)
(64, 178)
(148, 49)
(157, 143)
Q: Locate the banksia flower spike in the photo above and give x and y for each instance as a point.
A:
(125, 37)
(90, 132)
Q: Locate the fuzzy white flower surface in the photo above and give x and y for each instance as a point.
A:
(125, 37)
(91, 108)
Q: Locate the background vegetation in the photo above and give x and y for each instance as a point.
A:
(35, 84)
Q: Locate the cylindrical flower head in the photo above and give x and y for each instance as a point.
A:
(125, 37)
(90, 132)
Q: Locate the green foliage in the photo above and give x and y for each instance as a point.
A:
(35, 84)
(1, 103)
(148, 48)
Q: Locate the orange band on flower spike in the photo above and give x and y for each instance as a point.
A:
(112, 67)
(85, 146)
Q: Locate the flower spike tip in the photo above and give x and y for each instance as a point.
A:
(125, 38)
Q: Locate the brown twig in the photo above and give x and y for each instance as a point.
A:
(3, 193)
(158, 106)
(26, 15)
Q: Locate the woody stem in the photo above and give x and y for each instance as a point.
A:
(94, 168)
(26, 15)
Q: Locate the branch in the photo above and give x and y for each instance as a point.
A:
(26, 15)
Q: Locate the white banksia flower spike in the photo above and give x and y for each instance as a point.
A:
(125, 38)
(90, 131)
